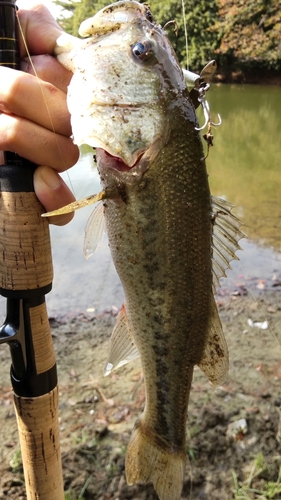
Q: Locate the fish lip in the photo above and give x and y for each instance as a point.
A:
(115, 14)
(115, 162)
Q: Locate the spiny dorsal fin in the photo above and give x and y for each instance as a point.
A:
(122, 345)
(94, 231)
(214, 362)
(226, 234)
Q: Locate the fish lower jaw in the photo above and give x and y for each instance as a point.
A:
(113, 162)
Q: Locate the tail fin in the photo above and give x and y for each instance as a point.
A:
(146, 461)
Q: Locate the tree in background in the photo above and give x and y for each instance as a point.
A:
(65, 20)
(250, 34)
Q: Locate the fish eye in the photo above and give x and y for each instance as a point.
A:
(142, 50)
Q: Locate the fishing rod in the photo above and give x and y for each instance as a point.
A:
(25, 278)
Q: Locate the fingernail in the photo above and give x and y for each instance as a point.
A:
(24, 65)
(51, 178)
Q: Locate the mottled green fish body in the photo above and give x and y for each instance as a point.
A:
(167, 236)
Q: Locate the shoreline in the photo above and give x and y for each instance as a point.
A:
(240, 77)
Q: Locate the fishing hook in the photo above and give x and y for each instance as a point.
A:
(206, 108)
(176, 30)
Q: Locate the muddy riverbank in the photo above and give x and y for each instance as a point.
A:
(233, 430)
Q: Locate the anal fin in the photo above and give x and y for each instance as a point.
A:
(214, 362)
(122, 345)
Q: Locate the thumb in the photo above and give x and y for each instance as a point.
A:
(53, 193)
(39, 28)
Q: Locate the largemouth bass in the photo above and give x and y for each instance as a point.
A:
(168, 238)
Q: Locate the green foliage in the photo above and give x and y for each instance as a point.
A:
(267, 489)
(72, 495)
(191, 449)
(202, 41)
(16, 461)
(251, 33)
(66, 18)
(198, 17)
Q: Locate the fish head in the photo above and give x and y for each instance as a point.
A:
(125, 85)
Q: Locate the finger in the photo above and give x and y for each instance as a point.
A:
(53, 193)
(39, 28)
(47, 68)
(19, 135)
(24, 95)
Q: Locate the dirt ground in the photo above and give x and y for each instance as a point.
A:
(233, 431)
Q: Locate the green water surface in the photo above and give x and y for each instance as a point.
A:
(245, 163)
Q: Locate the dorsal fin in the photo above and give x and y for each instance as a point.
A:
(226, 234)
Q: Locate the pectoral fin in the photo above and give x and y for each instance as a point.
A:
(122, 345)
(94, 231)
(214, 362)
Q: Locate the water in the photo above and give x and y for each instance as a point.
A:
(244, 165)
(244, 168)
(79, 284)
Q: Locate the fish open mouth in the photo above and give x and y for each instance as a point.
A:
(114, 162)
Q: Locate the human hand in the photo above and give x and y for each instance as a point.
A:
(34, 119)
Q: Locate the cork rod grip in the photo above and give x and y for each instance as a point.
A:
(39, 439)
(38, 423)
(25, 243)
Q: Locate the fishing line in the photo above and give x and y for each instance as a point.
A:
(185, 31)
(44, 99)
